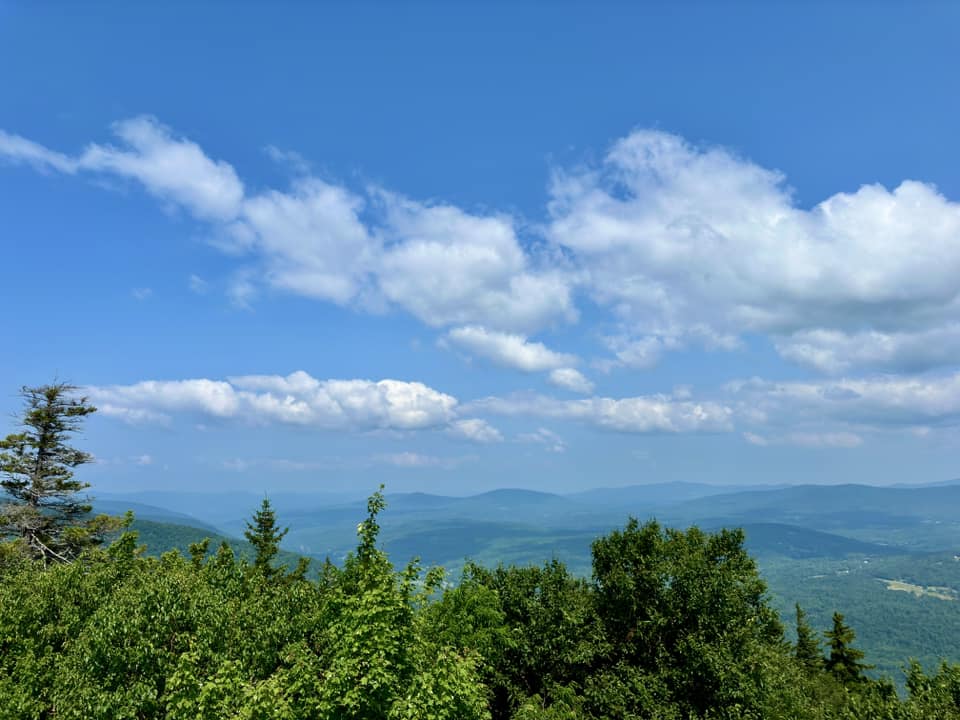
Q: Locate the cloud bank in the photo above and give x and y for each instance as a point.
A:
(683, 245)
(669, 245)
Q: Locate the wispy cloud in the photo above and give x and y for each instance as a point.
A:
(475, 430)
(197, 285)
(807, 439)
(571, 379)
(508, 350)
(644, 414)
(542, 436)
(415, 460)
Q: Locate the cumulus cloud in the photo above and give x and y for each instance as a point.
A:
(169, 167)
(508, 350)
(311, 240)
(475, 430)
(446, 267)
(295, 399)
(697, 244)
(682, 246)
(571, 379)
(443, 265)
(645, 414)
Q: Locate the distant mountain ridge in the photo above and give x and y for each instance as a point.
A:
(824, 546)
(914, 519)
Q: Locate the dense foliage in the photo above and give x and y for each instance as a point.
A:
(673, 624)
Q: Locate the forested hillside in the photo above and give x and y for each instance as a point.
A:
(673, 624)
(824, 569)
(667, 623)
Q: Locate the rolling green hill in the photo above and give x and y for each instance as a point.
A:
(160, 537)
(827, 547)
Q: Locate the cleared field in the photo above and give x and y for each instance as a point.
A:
(941, 593)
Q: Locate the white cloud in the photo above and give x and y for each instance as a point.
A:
(448, 267)
(168, 167)
(141, 293)
(475, 430)
(838, 439)
(549, 439)
(638, 353)
(311, 240)
(646, 414)
(18, 149)
(288, 158)
(441, 264)
(281, 464)
(684, 246)
(216, 398)
(698, 244)
(834, 351)
(144, 460)
(295, 399)
(571, 379)
(419, 460)
(508, 350)
(874, 402)
(132, 416)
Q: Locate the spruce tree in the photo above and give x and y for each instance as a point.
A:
(41, 508)
(265, 536)
(844, 659)
(807, 649)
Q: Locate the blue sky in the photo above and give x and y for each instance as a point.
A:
(452, 247)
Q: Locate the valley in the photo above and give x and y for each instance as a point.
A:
(885, 557)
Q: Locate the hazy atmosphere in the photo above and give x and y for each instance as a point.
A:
(455, 250)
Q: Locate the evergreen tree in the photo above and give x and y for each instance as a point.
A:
(265, 536)
(844, 660)
(42, 510)
(807, 649)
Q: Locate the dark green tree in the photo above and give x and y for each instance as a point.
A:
(844, 659)
(265, 536)
(807, 650)
(42, 510)
(687, 620)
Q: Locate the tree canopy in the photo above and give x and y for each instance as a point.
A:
(673, 624)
